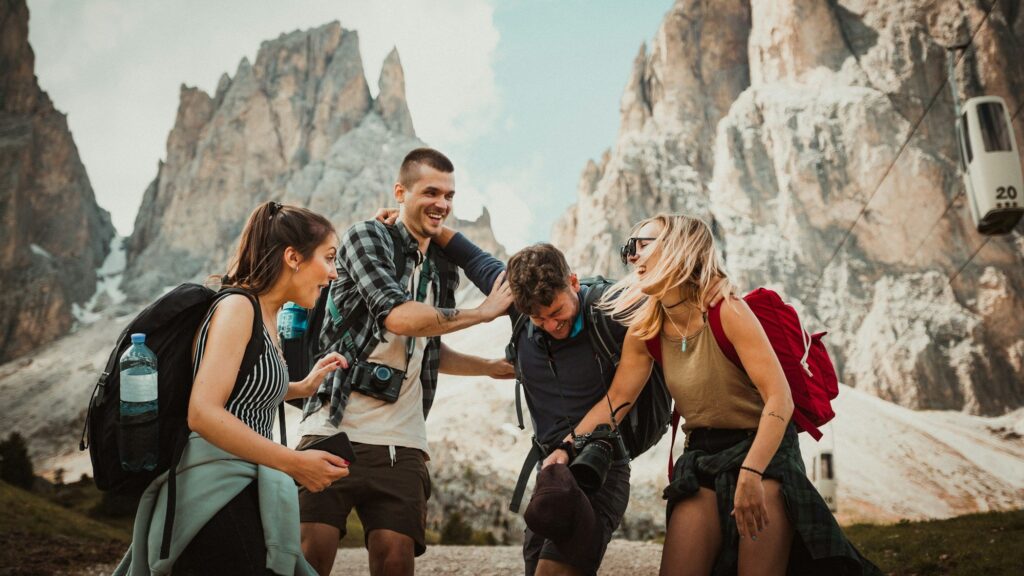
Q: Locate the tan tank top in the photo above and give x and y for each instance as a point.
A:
(709, 390)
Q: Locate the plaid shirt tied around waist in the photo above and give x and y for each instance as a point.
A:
(367, 273)
(824, 550)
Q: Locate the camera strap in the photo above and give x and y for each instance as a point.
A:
(425, 272)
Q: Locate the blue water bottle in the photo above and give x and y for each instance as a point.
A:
(139, 430)
(292, 321)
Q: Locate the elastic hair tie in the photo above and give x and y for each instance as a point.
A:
(275, 207)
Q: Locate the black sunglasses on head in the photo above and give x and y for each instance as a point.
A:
(629, 248)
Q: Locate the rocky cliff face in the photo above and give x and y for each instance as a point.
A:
(53, 235)
(298, 126)
(783, 123)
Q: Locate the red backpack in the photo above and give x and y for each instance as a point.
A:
(804, 359)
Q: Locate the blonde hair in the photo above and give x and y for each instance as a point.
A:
(687, 264)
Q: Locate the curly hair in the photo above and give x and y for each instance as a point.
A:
(536, 274)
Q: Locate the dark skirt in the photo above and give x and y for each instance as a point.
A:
(231, 543)
(712, 459)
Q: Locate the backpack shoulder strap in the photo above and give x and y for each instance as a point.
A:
(654, 348)
(601, 337)
(444, 269)
(512, 355)
(397, 249)
(255, 348)
(715, 322)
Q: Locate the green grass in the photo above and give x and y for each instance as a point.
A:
(28, 513)
(43, 537)
(974, 545)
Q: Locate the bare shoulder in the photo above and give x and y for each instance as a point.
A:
(738, 319)
(234, 314)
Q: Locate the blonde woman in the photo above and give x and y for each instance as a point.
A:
(739, 500)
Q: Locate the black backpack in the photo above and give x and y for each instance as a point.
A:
(170, 324)
(648, 419)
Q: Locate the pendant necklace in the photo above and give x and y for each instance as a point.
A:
(682, 347)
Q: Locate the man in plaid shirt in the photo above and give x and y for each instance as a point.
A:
(383, 407)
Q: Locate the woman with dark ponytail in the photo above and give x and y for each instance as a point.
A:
(284, 254)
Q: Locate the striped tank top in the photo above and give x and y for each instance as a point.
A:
(255, 400)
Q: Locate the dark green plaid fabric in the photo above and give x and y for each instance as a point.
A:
(819, 546)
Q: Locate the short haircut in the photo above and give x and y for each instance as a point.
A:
(409, 173)
(536, 274)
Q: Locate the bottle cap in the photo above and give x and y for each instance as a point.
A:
(138, 338)
(290, 305)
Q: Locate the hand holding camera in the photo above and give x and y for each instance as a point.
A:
(595, 453)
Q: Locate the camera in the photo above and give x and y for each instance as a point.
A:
(377, 381)
(595, 453)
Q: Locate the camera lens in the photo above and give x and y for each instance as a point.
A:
(382, 373)
(591, 466)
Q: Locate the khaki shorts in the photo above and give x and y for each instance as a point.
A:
(386, 495)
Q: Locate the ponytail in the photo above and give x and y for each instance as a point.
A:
(272, 228)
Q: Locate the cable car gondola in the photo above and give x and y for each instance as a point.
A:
(990, 163)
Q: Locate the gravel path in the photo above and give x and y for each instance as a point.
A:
(623, 557)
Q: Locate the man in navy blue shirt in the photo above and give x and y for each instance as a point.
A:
(562, 375)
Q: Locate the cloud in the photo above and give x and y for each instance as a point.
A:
(115, 69)
(510, 196)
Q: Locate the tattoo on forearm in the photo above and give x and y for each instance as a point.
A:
(445, 315)
(781, 419)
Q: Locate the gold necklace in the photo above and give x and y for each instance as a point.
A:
(682, 347)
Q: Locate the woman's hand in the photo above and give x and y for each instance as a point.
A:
(309, 385)
(749, 508)
(315, 470)
(386, 216)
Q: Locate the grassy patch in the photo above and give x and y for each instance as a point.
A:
(27, 513)
(973, 545)
(41, 537)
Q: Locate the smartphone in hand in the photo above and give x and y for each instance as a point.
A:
(337, 444)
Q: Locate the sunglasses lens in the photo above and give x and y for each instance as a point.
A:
(623, 254)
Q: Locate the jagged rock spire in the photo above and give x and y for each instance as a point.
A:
(391, 103)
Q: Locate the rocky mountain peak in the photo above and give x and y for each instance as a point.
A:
(18, 88)
(635, 105)
(49, 256)
(391, 103)
(298, 126)
(817, 139)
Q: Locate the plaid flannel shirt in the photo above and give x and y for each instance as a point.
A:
(824, 550)
(366, 272)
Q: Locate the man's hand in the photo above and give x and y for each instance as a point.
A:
(722, 290)
(501, 369)
(498, 301)
(559, 456)
(386, 216)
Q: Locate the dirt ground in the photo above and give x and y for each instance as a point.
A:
(623, 557)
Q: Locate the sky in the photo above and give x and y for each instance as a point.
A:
(529, 89)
